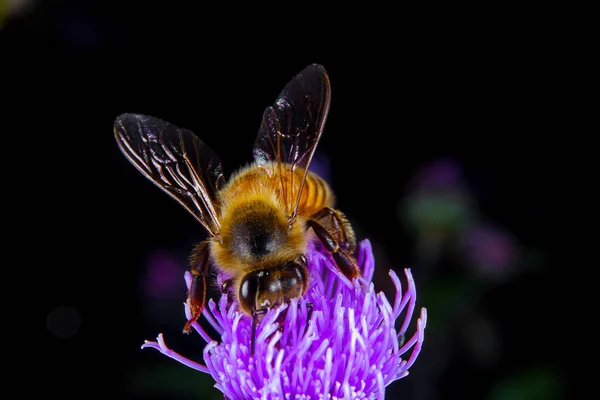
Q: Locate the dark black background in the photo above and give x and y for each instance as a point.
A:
(482, 91)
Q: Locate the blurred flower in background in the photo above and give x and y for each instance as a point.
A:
(490, 250)
(437, 208)
(160, 286)
(442, 213)
(161, 281)
(460, 258)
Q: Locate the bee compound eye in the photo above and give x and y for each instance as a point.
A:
(248, 290)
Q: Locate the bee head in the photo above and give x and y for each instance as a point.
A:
(267, 288)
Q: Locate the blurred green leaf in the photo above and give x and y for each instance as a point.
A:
(533, 384)
(445, 213)
(174, 380)
(3, 11)
(442, 297)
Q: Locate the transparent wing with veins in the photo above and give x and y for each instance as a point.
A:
(176, 161)
(291, 129)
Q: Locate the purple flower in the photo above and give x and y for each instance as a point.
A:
(490, 250)
(351, 347)
(162, 275)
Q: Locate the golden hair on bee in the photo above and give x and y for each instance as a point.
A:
(255, 232)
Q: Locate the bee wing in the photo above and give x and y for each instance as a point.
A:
(176, 161)
(291, 129)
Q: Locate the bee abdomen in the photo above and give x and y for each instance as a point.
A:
(316, 194)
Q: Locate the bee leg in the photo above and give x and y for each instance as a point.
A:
(344, 261)
(338, 225)
(255, 315)
(197, 292)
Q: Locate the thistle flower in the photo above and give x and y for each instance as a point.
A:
(347, 348)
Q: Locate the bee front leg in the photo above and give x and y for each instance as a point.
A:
(197, 293)
(343, 260)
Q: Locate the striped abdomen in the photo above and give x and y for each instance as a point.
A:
(316, 194)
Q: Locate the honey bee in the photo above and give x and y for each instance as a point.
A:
(262, 219)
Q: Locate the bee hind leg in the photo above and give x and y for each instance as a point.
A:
(338, 226)
(197, 293)
(343, 260)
